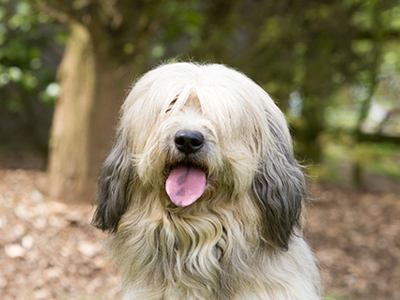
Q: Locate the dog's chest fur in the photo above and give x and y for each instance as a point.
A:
(187, 255)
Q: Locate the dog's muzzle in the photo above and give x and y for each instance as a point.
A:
(186, 181)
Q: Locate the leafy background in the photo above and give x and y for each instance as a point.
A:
(333, 67)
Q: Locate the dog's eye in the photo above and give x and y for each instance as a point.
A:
(171, 105)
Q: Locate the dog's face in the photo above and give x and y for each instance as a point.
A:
(198, 135)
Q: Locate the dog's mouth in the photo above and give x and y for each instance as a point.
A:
(185, 184)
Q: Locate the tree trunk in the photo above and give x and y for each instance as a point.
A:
(93, 86)
(307, 131)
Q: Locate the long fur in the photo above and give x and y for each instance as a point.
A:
(242, 239)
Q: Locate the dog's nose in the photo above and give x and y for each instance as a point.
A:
(189, 141)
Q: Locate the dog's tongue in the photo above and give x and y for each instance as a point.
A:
(185, 184)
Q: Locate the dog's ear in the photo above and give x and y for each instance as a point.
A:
(114, 187)
(279, 186)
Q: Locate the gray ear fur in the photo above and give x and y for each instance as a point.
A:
(114, 187)
(280, 187)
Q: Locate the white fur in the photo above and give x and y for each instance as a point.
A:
(242, 239)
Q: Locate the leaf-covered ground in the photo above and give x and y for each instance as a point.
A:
(48, 249)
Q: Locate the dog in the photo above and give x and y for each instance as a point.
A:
(201, 194)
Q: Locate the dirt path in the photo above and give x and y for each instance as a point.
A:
(49, 251)
(356, 237)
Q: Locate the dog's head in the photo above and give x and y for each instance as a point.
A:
(195, 135)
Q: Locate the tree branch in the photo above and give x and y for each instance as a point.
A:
(378, 138)
(62, 10)
(373, 35)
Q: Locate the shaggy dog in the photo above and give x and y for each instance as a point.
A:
(201, 194)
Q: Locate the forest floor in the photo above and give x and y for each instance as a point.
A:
(49, 250)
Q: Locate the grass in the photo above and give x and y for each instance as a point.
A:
(341, 156)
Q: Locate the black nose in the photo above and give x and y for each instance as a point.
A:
(189, 141)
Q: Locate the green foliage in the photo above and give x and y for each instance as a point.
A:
(334, 297)
(29, 57)
(379, 159)
(184, 21)
(27, 65)
(341, 154)
(199, 30)
(304, 52)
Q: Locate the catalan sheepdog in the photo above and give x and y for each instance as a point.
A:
(201, 194)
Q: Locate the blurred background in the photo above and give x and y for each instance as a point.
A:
(333, 67)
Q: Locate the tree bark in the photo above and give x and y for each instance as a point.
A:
(93, 86)
(308, 131)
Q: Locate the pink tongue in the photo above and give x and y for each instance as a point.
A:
(185, 184)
